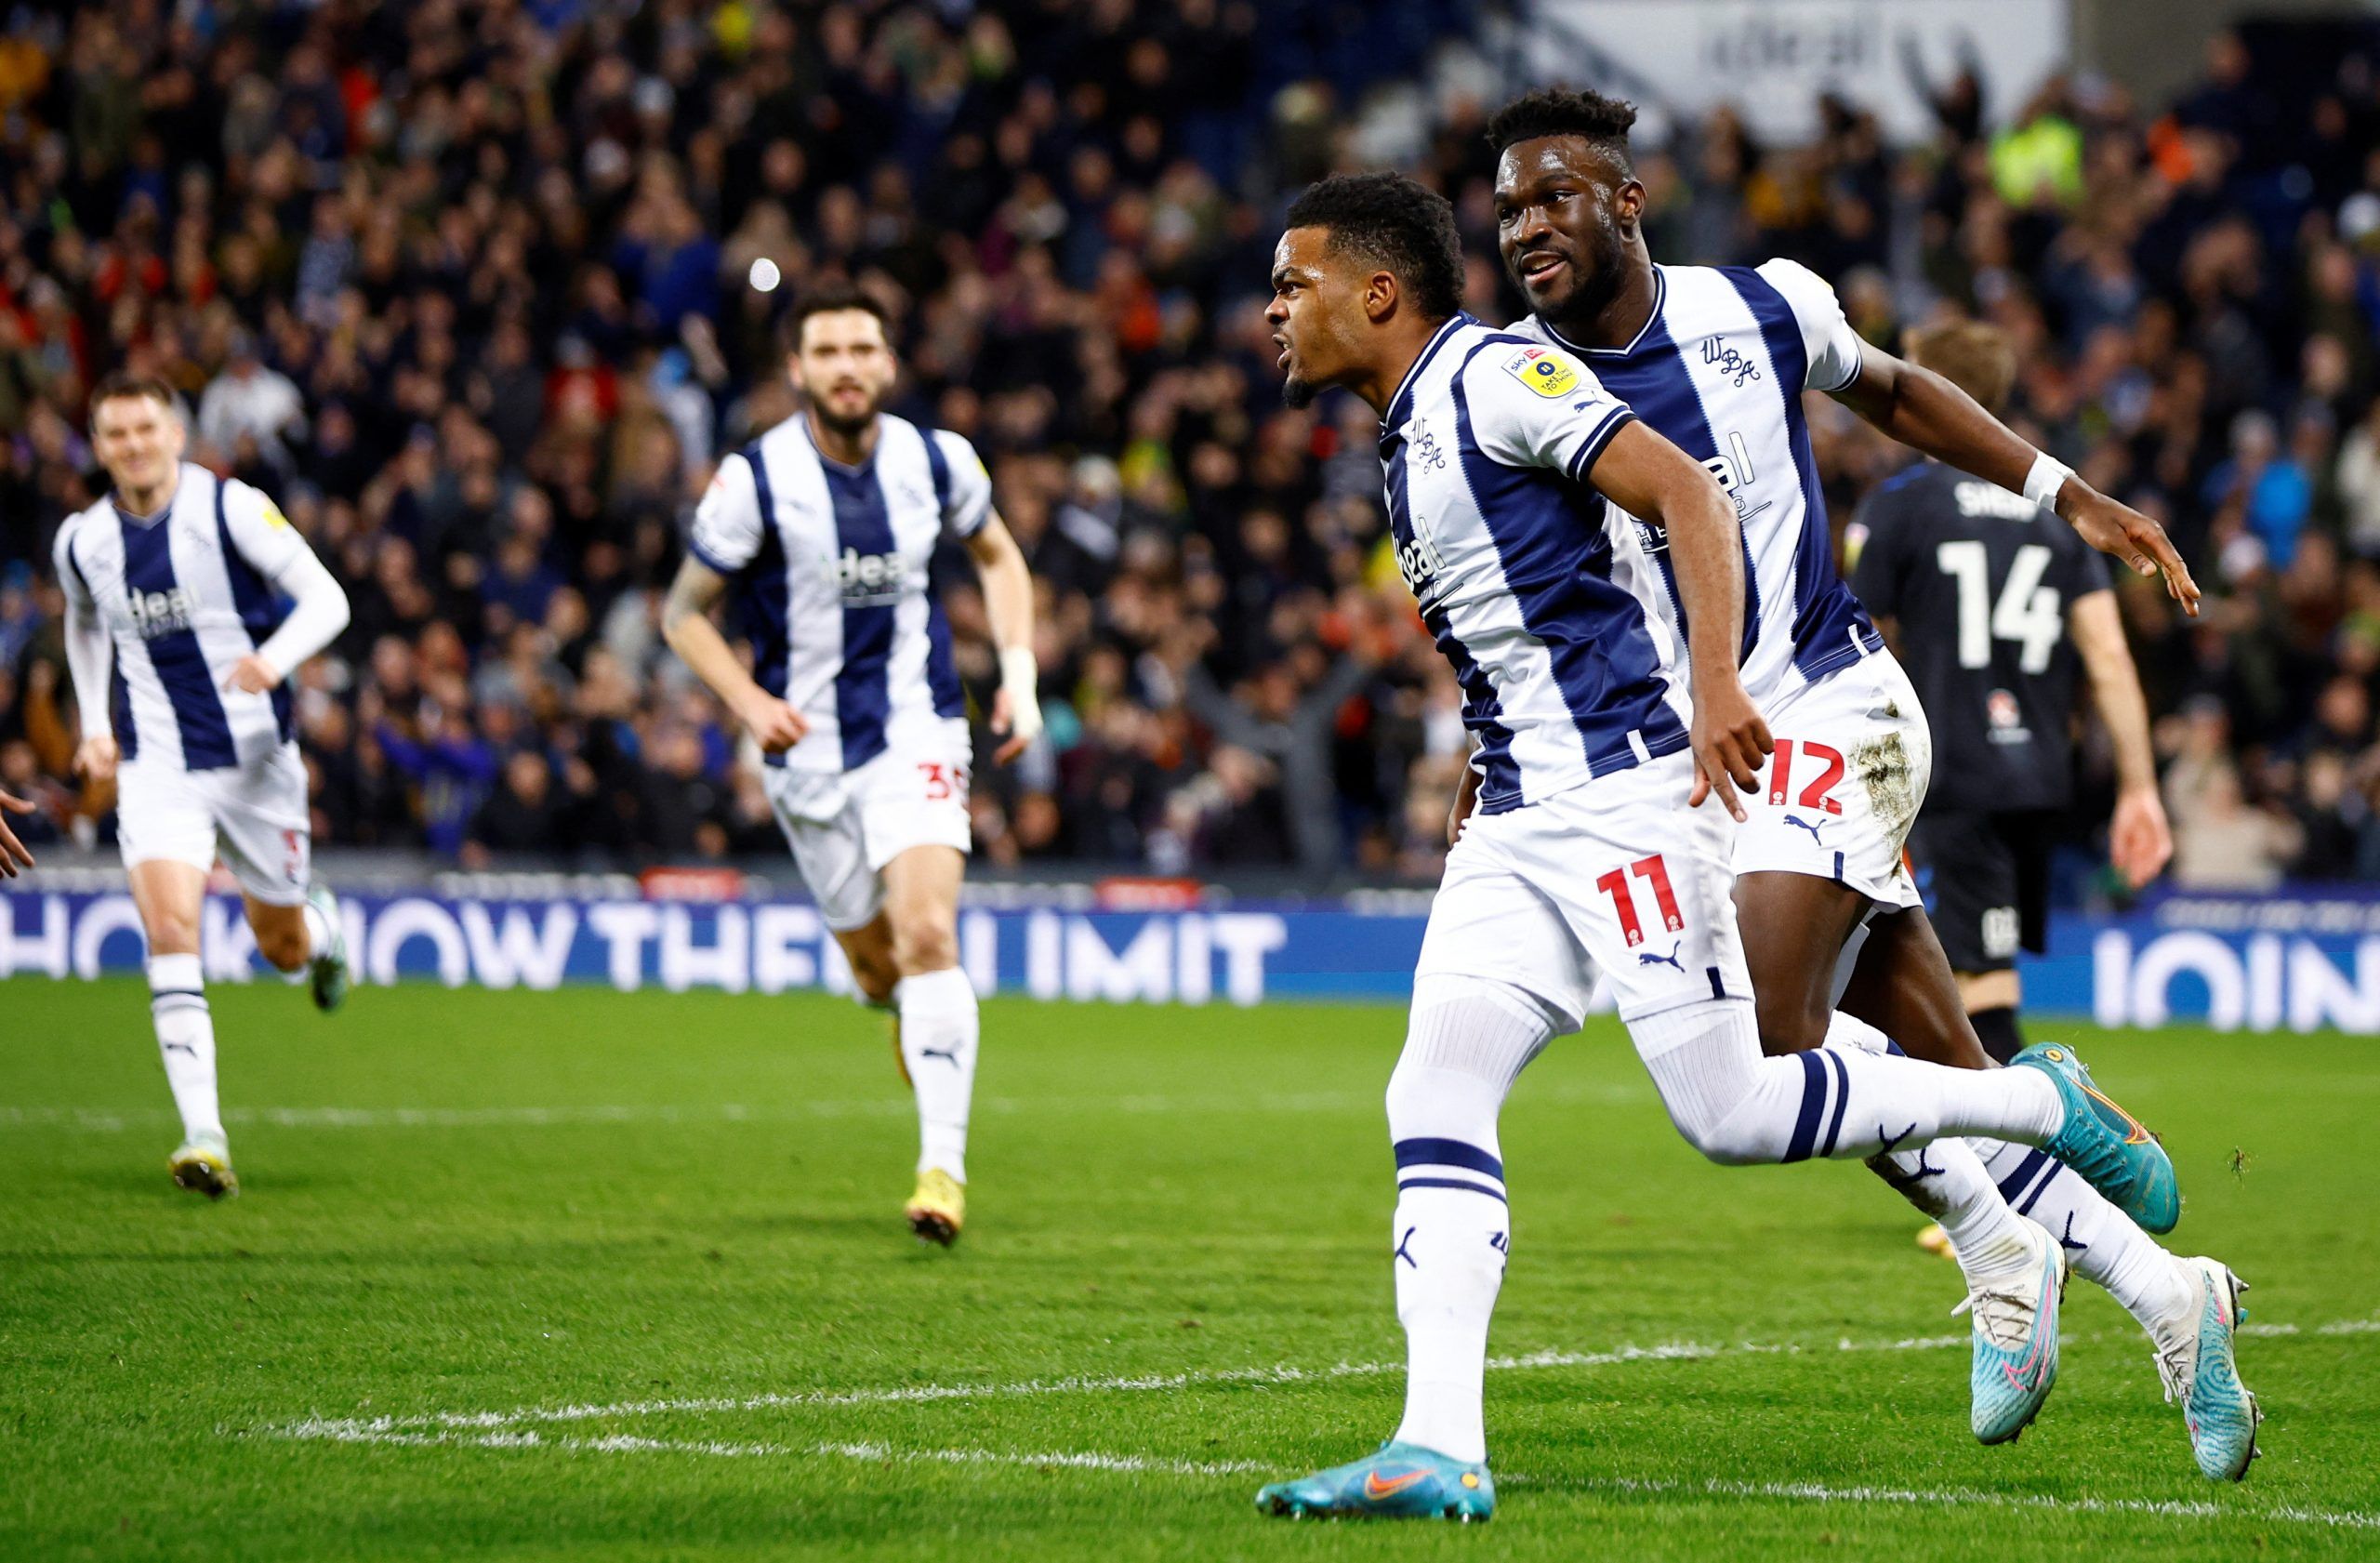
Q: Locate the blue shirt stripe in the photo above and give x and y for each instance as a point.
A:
(1556, 557)
(1829, 627)
(863, 681)
(180, 663)
(260, 607)
(1651, 376)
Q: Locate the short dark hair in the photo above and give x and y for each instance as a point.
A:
(124, 383)
(1394, 222)
(1554, 110)
(827, 298)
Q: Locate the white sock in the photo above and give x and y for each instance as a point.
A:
(319, 932)
(939, 1030)
(1738, 1107)
(2103, 1245)
(1467, 1042)
(185, 1040)
(1947, 1180)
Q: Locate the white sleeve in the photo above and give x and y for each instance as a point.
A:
(260, 530)
(966, 496)
(266, 540)
(90, 650)
(320, 613)
(1827, 341)
(726, 533)
(1538, 406)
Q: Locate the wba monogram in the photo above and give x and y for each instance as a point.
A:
(1730, 361)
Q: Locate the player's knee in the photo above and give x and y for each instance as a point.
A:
(172, 934)
(924, 943)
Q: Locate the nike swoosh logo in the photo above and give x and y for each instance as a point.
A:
(1379, 1491)
(2139, 1134)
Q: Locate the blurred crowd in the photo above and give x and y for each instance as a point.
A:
(480, 291)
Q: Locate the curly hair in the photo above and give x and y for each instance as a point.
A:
(1557, 111)
(1394, 222)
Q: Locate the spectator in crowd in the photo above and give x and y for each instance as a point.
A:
(482, 295)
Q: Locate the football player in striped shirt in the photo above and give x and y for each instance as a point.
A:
(825, 528)
(1718, 358)
(190, 602)
(1513, 480)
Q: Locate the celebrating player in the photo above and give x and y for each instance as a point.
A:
(1717, 359)
(1508, 467)
(1992, 603)
(171, 583)
(826, 524)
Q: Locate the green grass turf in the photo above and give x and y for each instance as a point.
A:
(1157, 1192)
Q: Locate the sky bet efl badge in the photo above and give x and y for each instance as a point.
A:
(1539, 370)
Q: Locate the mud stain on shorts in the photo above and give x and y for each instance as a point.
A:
(1881, 767)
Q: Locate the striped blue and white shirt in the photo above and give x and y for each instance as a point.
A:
(183, 596)
(1719, 369)
(1534, 586)
(831, 564)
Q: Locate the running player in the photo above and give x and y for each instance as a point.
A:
(174, 584)
(826, 525)
(1508, 469)
(1718, 360)
(1994, 607)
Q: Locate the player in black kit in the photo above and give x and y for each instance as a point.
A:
(1998, 606)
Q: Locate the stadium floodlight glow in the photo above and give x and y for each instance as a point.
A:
(765, 276)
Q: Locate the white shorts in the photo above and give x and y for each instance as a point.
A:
(1617, 875)
(253, 815)
(1853, 759)
(845, 825)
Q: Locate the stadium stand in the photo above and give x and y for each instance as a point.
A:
(481, 291)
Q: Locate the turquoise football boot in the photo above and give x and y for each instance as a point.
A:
(1399, 1481)
(2016, 1344)
(326, 969)
(2194, 1358)
(2106, 1145)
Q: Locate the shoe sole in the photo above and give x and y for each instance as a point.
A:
(1289, 1508)
(933, 1227)
(2255, 1409)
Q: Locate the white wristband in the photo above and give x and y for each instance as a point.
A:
(2049, 475)
(1021, 676)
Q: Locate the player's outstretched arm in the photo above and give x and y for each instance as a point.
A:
(1646, 476)
(686, 625)
(1922, 409)
(1007, 599)
(2139, 841)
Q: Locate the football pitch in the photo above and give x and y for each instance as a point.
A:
(584, 1274)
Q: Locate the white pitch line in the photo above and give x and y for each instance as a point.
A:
(114, 1121)
(927, 1394)
(1138, 1464)
(624, 1443)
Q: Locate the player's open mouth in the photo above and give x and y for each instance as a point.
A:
(1282, 362)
